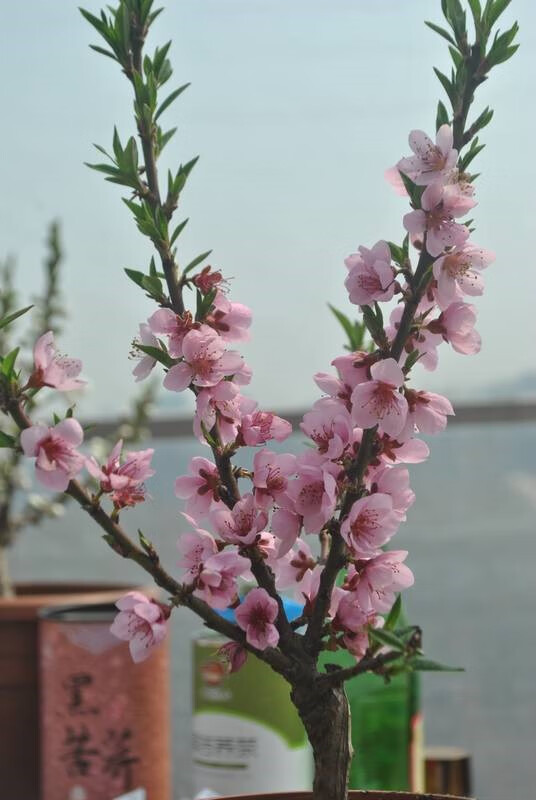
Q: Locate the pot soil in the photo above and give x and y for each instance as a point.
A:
(20, 746)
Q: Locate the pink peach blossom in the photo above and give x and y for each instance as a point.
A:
(216, 582)
(57, 460)
(370, 275)
(456, 325)
(207, 279)
(369, 525)
(431, 162)
(195, 548)
(459, 271)
(241, 524)
(354, 368)
(314, 494)
(459, 193)
(256, 615)
(392, 176)
(145, 363)
(422, 340)
(174, 326)
(270, 476)
(206, 361)
(377, 581)
(436, 219)
(411, 451)
(351, 615)
(234, 655)
(395, 483)
(134, 470)
(286, 526)
(329, 426)
(141, 622)
(221, 403)
(230, 320)
(51, 369)
(295, 567)
(428, 411)
(378, 402)
(261, 426)
(200, 489)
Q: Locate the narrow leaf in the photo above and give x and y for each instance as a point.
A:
(197, 260)
(11, 317)
(169, 100)
(394, 614)
(383, 637)
(441, 31)
(425, 665)
(136, 276)
(6, 440)
(8, 362)
(157, 354)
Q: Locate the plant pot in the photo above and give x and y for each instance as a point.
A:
(20, 701)
(353, 795)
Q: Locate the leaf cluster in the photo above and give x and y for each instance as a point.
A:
(472, 62)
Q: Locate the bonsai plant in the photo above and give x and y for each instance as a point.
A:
(22, 507)
(349, 490)
(19, 507)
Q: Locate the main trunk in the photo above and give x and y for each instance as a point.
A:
(326, 717)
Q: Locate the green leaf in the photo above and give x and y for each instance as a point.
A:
(410, 361)
(344, 322)
(457, 58)
(6, 440)
(492, 12)
(441, 31)
(194, 263)
(8, 362)
(388, 638)
(178, 230)
(394, 614)
(152, 285)
(169, 100)
(425, 665)
(164, 138)
(103, 52)
(156, 353)
(473, 151)
(447, 86)
(146, 544)
(11, 317)
(442, 116)
(136, 276)
(414, 191)
(476, 11)
(482, 120)
(397, 253)
(204, 304)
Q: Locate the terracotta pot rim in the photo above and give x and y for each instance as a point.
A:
(355, 794)
(33, 596)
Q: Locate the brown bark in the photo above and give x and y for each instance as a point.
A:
(326, 716)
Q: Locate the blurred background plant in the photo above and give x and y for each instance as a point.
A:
(20, 506)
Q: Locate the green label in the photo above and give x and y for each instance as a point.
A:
(255, 692)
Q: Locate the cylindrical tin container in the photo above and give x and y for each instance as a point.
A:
(242, 722)
(20, 744)
(104, 719)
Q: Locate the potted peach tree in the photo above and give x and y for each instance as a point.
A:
(350, 490)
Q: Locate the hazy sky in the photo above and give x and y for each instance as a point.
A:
(296, 108)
